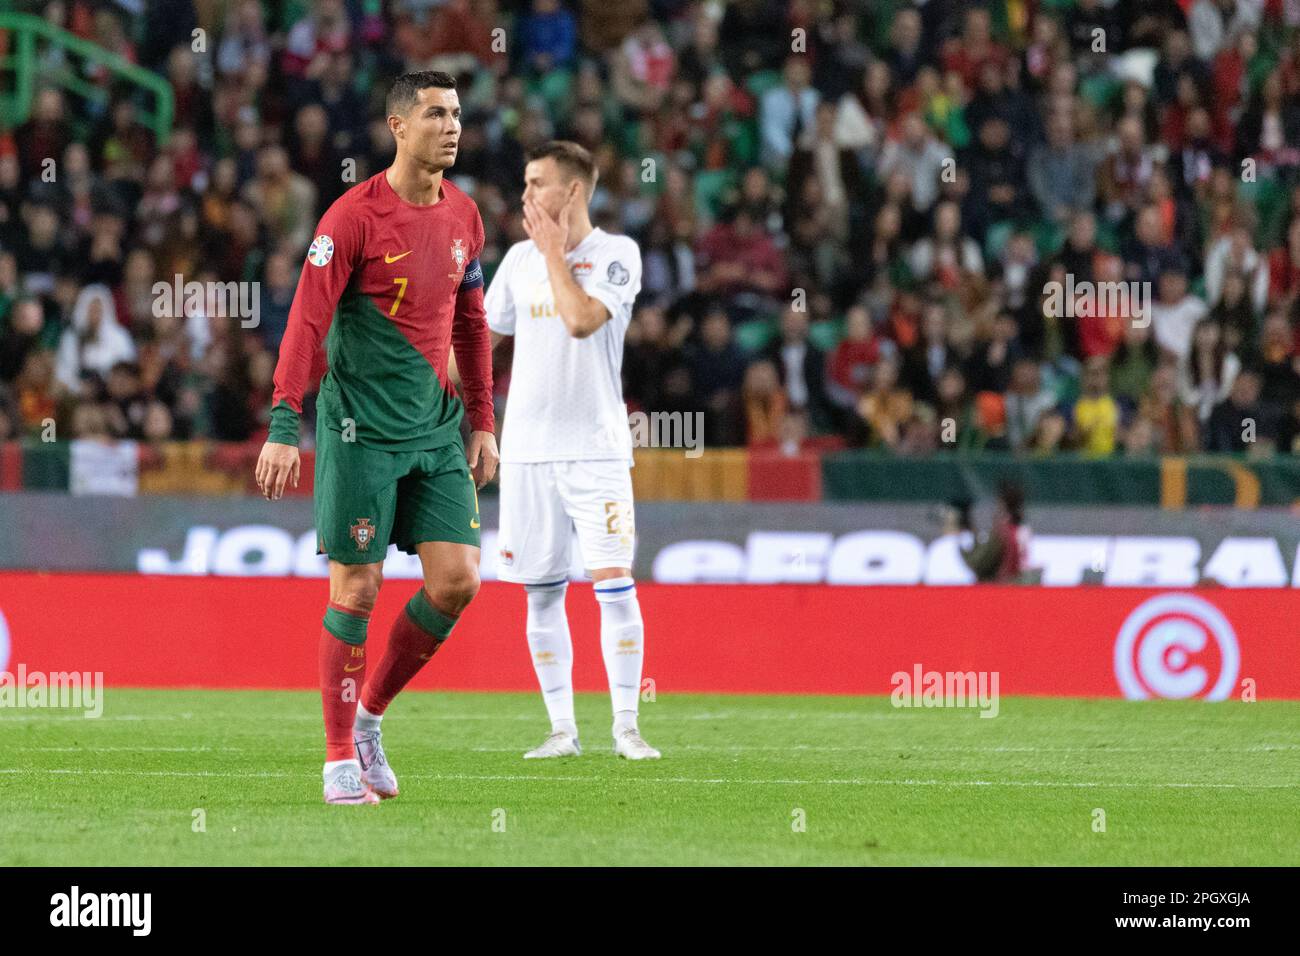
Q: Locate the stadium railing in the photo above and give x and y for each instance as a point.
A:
(24, 61)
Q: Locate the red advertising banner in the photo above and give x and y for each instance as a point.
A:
(147, 631)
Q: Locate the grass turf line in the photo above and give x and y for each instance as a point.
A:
(1181, 783)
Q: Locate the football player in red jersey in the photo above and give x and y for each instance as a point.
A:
(391, 284)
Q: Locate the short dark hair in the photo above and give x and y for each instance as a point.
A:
(571, 157)
(405, 91)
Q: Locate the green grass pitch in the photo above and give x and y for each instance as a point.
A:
(744, 780)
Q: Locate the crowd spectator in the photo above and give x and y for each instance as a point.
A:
(1096, 413)
(1062, 172)
(1241, 423)
(95, 342)
(1207, 373)
(800, 365)
(718, 371)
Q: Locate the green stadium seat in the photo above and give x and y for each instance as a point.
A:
(826, 334)
(996, 239)
(1271, 198)
(762, 81)
(753, 336)
(1107, 236)
(554, 89)
(1099, 90)
(1048, 237)
(711, 189)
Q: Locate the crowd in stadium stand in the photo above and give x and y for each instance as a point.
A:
(851, 213)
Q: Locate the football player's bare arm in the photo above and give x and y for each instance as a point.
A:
(497, 337)
(582, 315)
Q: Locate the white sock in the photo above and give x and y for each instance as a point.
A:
(335, 764)
(622, 641)
(552, 652)
(366, 721)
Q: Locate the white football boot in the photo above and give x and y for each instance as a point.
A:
(375, 771)
(630, 745)
(343, 784)
(558, 744)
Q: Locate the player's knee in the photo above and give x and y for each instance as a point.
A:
(455, 589)
(546, 597)
(358, 593)
(360, 599)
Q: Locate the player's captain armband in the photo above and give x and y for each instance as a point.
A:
(473, 278)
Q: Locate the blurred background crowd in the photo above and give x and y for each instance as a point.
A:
(850, 211)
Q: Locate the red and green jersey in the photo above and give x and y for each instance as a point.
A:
(394, 286)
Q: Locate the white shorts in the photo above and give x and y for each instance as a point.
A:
(543, 503)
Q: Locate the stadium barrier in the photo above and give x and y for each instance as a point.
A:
(226, 468)
(725, 542)
(716, 474)
(150, 631)
(1066, 478)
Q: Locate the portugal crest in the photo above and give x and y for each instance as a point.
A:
(459, 255)
(363, 532)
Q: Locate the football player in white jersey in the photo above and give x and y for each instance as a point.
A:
(566, 296)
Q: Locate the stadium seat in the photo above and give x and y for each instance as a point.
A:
(754, 336)
(826, 334)
(759, 83)
(711, 187)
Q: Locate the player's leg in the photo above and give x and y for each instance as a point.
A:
(450, 583)
(598, 497)
(622, 644)
(437, 519)
(354, 505)
(533, 540)
(551, 648)
(353, 591)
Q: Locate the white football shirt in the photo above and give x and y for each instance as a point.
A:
(566, 394)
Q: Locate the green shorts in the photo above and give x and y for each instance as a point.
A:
(367, 498)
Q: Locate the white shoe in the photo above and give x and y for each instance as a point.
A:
(556, 745)
(375, 772)
(343, 784)
(630, 745)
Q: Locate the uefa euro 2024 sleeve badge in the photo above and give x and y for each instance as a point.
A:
(321, 251)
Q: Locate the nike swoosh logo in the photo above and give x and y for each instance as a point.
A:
(391, 259)
(353, 670)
